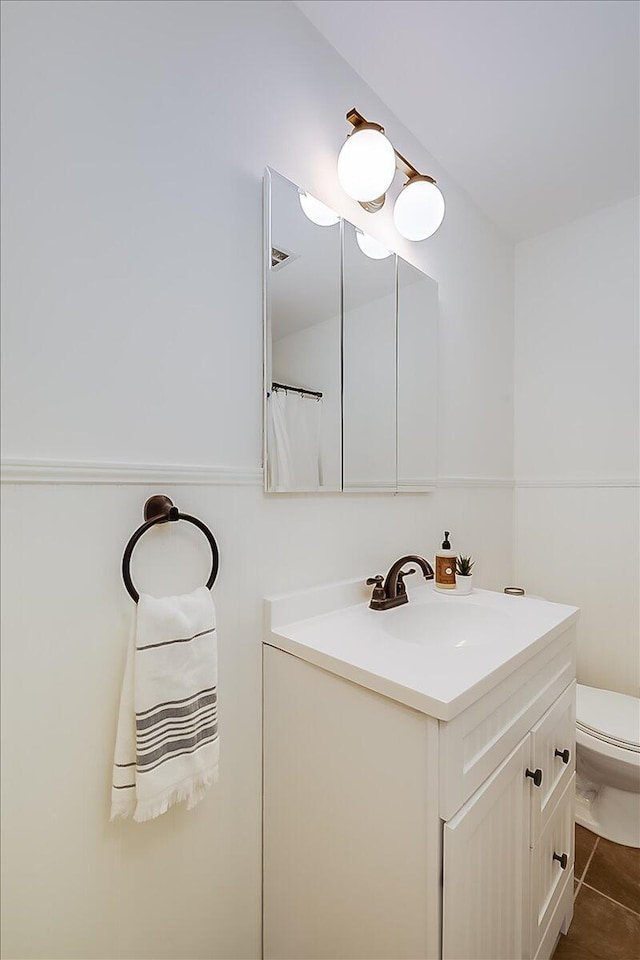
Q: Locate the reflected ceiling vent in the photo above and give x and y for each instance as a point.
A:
(280, 258)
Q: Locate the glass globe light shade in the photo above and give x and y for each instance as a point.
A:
(371, 247)
(419, 209)
(366, 164)
(317, 211)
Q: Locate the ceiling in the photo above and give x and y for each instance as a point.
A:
(532, 106)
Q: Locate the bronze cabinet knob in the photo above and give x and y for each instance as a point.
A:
(536, 776)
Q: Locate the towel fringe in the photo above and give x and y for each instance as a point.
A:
(191, 790)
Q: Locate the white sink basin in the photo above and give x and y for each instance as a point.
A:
(449, 622)
(438, 653)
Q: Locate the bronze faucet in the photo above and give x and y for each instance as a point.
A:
(393, 592)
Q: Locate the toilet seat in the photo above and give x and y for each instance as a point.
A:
(612, 718)
(627, 759)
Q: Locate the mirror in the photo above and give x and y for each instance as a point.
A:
(303, 415)
(350, 357)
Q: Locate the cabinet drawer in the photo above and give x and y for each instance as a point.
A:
(473, 744)
(553, 741)
(548, 877)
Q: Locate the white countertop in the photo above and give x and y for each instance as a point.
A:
(438, 653)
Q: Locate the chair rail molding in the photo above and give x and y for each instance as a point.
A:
(468, 483)
(551, 483)
(81, 471)
(15, 470)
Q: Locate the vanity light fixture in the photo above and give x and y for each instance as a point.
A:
(367, 164)
(317, 211)
(371, 247)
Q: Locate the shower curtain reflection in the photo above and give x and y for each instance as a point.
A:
(293, 422)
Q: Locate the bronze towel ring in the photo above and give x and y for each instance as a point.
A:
(160, 509)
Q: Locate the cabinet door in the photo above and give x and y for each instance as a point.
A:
(486, 868)
(552, 867)
(553, 752)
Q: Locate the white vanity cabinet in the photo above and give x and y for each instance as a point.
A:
(391, 833)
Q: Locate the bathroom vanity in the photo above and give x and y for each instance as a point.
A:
(418, 776)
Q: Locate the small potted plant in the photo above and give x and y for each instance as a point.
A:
(464, 576)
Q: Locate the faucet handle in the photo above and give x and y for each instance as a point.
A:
(401, 575)
(378, 589)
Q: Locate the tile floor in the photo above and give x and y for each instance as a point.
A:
(606, 918)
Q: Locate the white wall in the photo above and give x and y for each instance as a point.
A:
(134, 142)
(577, 433)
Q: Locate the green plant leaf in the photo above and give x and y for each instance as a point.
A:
(464, 565)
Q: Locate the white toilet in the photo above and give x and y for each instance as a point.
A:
(608, 764)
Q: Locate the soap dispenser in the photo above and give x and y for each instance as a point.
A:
(445, 576)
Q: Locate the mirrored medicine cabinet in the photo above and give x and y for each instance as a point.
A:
(350, 358)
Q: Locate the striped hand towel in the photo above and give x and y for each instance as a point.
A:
(167, 741)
